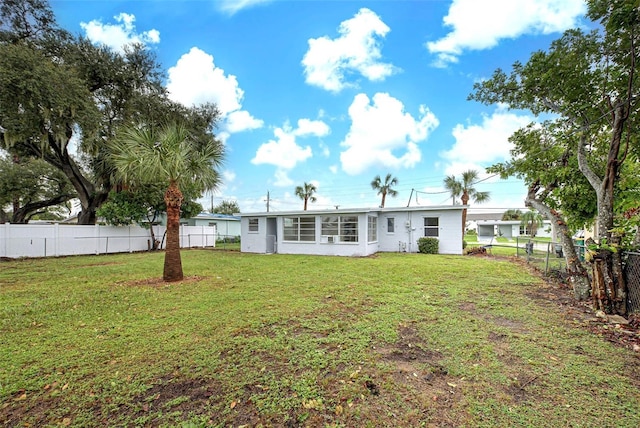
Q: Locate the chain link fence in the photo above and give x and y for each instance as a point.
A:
(632, 276)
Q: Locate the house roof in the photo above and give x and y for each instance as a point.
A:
(355, 211)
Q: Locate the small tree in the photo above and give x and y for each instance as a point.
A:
(531, 221)
(226, 207)
(466, 191)
(171, 156)
(385, 188)
(511, 215)
(305, 192)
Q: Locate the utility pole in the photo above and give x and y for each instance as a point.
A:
(268, 200)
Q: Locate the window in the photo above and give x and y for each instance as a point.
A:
(299, 229)
(431, 226)
(253, 225)
(344, 227)
(372, 228)
(391, 225)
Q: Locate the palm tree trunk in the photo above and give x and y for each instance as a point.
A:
(172, 260)
(465, 201)
(384, 196)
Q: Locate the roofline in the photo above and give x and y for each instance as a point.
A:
(355, 211)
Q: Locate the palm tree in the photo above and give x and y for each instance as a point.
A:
(531, 221)
(305, 192)
(385, 189)
(511, 215)
(466, 191)
(454, 187)
(168, 155)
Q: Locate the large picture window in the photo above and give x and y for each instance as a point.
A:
(299, 229)
(253, 225)
(342, 228)
(372, 229)
(431, 226)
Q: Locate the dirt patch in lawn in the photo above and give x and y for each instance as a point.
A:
(159, 282)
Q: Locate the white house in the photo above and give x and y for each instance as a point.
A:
(228, 226)
(487, 229)
(351, 232)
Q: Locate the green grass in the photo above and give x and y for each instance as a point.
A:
(391, 340)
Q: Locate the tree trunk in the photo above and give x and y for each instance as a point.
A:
(609, 289)
(384, 197)
(578, 276)
(465, 201)
(22, 214)
(90, 197)
(172, 260)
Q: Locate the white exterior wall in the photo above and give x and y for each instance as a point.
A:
(253, 242)
(224, 227)
(409, 227)
(44, 240)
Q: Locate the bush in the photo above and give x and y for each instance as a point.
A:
(464, 244)
(428, 245)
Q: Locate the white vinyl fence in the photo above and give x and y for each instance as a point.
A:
(45, 240)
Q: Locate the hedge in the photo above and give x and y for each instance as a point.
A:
(428, 245)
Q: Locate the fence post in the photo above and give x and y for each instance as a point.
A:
(56, 239)
(546, 264)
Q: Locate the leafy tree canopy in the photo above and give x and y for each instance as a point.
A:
(227, 207)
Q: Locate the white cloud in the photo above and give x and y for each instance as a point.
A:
(228, 176)
(478, 25)
(478, 146)
(312, 127)
(282, 179)
(283, 151)
(241, 120)
(196, 80)
(381, 129)
(328, 62)
(117, 36)
(233, 6)
(333, 169)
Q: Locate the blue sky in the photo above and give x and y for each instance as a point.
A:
(336, 92)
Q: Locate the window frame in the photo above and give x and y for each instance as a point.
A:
(298, 228)
(372, 228)
(430, 227)
(254, 225)
(391, 221)
(345, 227)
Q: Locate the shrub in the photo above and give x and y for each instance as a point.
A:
(428, 245)
(464, 244)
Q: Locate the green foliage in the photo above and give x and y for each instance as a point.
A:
(306, 193)
(511, 215)
(428, 245)
(125, 208)
(226, 207)
(31, 187)
(55, 87)
(532, 221)
(464, 188)
(385, 187)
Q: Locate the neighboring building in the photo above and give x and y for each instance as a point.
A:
(487, 229)
(352, 232)
(227, 225)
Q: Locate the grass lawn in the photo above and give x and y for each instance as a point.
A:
(274, 340)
